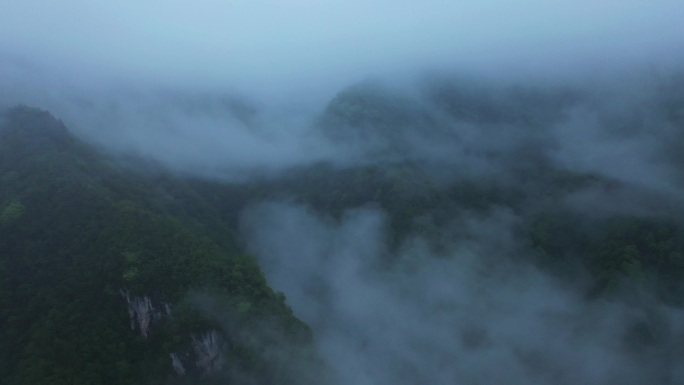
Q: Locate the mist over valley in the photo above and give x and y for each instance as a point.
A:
(373, 194)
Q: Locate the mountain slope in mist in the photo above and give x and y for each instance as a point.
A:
(453, 233)
(111, 277)
(539, 241)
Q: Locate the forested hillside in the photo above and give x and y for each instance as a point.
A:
(452, 222)
(80, 238)
(341, 192)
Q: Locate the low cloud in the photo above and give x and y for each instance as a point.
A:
(571, 106)
(476, 313)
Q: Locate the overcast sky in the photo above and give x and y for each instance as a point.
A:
(294, 46)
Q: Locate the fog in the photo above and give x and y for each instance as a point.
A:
(470, 315)
(222, 88)
(268, 46)
(503, 93)
(305, 49)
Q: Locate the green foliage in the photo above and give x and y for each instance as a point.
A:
(132, 267)
(76, 230)
(643, 251)
(12, 212)
(81, 231)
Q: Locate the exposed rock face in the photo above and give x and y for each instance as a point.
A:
(143, 312)
(177, 364)
(208, 351)
(205, 358)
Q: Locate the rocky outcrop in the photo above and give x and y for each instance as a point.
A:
(177, 364)
(205, 354)
(143, 312)
(208, 349)
(205, 358)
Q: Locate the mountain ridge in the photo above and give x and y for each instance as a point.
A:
(82, 242)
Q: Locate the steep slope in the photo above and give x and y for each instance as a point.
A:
(88, 253)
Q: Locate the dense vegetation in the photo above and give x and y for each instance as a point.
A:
(78, 233)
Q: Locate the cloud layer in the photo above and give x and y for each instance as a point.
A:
(300, 48)
(470, 315)
(223, 89)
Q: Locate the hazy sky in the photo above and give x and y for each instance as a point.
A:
(309, 50)
(297, 46)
